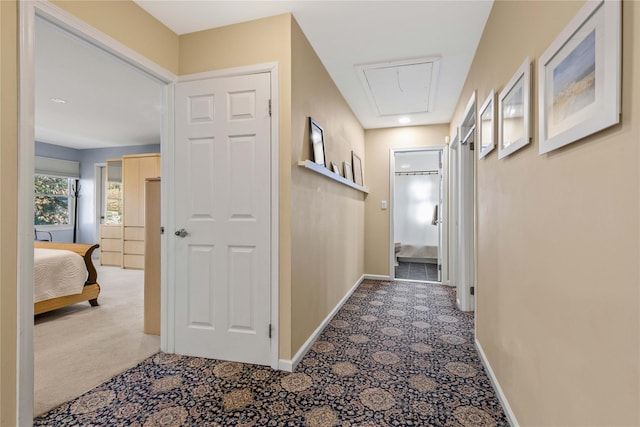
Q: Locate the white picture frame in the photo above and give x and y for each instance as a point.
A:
(514, 112)
(579, 77)
(487, 126)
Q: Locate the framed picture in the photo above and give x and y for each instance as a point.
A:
(357, 168)
(514, 112)
(348, 172)
(579, 77)
(336, 168)
(486, 130)
(316, 136)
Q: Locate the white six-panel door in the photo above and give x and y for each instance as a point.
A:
(222, 201)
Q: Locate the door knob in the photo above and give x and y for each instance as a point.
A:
(181, 233)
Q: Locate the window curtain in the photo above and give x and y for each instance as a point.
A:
(57, 167)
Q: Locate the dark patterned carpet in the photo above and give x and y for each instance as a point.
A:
(397, 354)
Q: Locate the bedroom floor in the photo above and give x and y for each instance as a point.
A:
(78, 347)
(417, 271)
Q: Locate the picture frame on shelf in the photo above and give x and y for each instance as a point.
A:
(348, 171)
(336, 168)
(316, 137)
(356, 162)
(487, 126)
(579, 77)
(514, 112)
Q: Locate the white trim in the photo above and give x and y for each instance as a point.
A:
(392, 171)
(290, 365)
(167, 149)
(274, 72)
(265, 67)
(26, 160)
(377, 277)
(28, 10)
(511, 417)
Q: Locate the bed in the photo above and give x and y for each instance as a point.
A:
(64, 274)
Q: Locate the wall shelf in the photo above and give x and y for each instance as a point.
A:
(308, 164)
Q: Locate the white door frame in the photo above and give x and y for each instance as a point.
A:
(272, 69)
(444, 261)
(28, 10)
(466, 252)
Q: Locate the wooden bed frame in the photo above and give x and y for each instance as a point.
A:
(91, 288)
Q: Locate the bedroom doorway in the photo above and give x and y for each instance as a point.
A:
(417, 196)
(71, 27)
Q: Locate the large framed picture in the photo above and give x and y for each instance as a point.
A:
(486, 130)
(316, 136)
(579, 77)
(514, 111)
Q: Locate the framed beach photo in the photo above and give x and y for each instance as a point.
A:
(486, 130)
(579, 77)
(514, 112)
(316, 136)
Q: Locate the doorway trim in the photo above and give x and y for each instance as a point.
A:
(273, 70)
(27, 12)
(443, 214)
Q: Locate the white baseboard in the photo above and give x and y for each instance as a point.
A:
(290, 365)
(511, 417)
(377, 277)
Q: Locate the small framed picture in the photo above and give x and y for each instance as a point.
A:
(357, 168)
(336, 168)
(486, 130)
(316, 136)
(579, 77)
(348, 172)
(514, 112)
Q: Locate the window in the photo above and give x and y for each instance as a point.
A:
(53, 201)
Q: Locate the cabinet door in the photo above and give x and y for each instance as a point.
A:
(131, 194)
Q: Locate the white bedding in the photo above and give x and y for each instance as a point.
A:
(57, 273)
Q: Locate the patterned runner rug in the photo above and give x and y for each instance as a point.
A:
(396, 354)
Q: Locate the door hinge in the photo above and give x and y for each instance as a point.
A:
(161, 230)
(439, 267)
(269, 330)
(269, 116)
(472, 290)
(471, 146)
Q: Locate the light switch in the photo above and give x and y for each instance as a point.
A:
(383, 205)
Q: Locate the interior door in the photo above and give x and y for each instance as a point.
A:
(223, 215)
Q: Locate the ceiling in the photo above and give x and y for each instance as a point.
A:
(107, 102)
(110, 103)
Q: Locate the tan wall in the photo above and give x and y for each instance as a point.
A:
(379, 143)
(558, 243)
(131, 25)
(255, 42)
(327, 222)
(8, 209)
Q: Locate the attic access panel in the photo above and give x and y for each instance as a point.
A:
(402, 87)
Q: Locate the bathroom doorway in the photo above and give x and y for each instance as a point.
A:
(417, 207)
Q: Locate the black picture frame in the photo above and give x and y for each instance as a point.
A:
(316, 137)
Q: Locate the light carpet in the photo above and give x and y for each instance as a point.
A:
(396, 354)
(79, 347)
